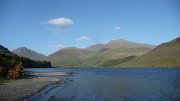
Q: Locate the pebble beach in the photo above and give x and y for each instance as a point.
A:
(13, 90)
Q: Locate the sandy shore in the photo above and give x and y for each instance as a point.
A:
(11, 90)
(52, 73)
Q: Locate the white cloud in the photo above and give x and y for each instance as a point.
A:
(56, 47)
(117, 28)
(61, 22)
(83, 38)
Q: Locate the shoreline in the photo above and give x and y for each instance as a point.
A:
(13, 90)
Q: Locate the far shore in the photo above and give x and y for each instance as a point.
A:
(13, 90)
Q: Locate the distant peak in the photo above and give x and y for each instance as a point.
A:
(31, 54)
(72, 47)
(23, 48)
(118, 40)
(96, 45)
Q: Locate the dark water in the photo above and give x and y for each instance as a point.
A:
(113, 84)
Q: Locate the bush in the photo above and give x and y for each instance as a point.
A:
(3, 71)
(16, 72)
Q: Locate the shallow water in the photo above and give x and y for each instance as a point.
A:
(113, 84)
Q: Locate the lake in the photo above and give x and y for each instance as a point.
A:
(112, 84)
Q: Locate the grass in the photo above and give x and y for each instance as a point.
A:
(114, 62)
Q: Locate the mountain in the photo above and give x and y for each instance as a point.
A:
(11, 65)
(96, 55)
(4, 50)
(115, 49)
(125, 43)
(96, 47)
(70, 56)
(25, 52)
(165, 55)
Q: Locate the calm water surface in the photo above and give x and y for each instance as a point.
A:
(113, 84)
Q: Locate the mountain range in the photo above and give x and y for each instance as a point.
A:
(95, 55)
(92, 56)
(116, 53)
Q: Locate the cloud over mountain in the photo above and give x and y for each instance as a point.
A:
(83, 38)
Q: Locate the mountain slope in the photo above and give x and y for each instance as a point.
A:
(4, 50)
(113, 62)
(70, 56)
(164, 55)
(28, 53)
(96, 55)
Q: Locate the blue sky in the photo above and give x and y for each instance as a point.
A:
(48, 25)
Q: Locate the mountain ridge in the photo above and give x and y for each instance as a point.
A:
(28, 53)
(96, 54)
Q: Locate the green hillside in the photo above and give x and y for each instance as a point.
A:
(70, 56)
(164, 55)
(114, 62)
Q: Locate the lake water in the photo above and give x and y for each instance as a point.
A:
(113, 84)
